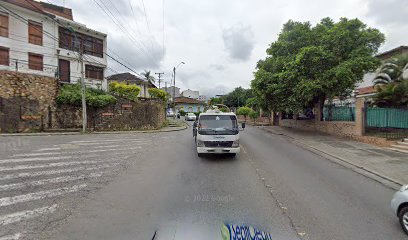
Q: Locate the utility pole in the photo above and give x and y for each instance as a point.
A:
(84, 117)
(160, 73)
(174, 92)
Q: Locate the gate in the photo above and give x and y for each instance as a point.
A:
(391, 123)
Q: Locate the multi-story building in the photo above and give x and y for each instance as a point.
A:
(172, 90)
(202, 98)
(190, 94)
(43, 39)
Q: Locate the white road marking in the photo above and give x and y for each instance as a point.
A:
(14, 186)
(48, 149)
(62, 164)
(7, 201)
(11, 237)
(25, 215)
(35, 154)
(52, 172)
(107, 144)
(110, 140)
(16, 160)
(114, 149)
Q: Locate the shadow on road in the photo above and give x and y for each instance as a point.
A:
(219, 158)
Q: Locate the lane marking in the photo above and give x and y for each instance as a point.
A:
(62, 164)
(52, 172)
(7, 201)
(35, 154)
(110, 140)
(48, 149)
(26, 215)
(14, 186)
(17, 160)
(11, 237)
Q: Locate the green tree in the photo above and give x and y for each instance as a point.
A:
(157, 93)
(238, 97)
(392, 70)
(216, 100)
(148, 75)
(128, 91)
(309, 64)
(71, 94)
(394, 94)
(253, 115)
(244, 111)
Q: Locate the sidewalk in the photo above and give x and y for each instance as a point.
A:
(381, 162)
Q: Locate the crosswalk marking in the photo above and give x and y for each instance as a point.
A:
(48, 149)
(35, 154)
(16, 160)
(14, 186)
(52, 172)
(61, 164)
(25, 215)
(7, 201)
(109, 140)
(11, 237)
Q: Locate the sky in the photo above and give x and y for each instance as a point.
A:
(220, 41)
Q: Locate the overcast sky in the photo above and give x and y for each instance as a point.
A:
(220, 40)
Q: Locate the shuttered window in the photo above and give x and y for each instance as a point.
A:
(78, 41)
(4, 25)
(35, 61)
(4, 56)
(64, 70)
(35, 33)
(93, 72)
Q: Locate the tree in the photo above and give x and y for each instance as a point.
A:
(237, 97)
(394, 94)
(127, 91)
(253, 115)
(309, 64)
(215, 100)
(157, 93)
(392, 70)
(244, 111)
(148, 76)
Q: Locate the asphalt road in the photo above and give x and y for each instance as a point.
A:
(131, 186)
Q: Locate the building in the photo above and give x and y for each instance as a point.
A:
(43, 39)
(190, 94)
(129, 78)
(189, 104)
(202, 98)
(170, 90)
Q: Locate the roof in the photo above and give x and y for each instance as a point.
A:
(43, 8)
(393, 52)
(366, 90)
(187, 100)
(128, 77)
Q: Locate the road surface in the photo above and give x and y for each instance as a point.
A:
(131, 186)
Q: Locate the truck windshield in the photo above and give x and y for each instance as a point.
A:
(218, 125)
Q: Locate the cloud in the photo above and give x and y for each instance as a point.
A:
(390, 12)
(217, 67)
(238, 41)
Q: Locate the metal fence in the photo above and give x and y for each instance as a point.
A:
(339, 113)
(391, 123)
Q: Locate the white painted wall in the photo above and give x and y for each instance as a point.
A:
(19, 47)
(190, 94)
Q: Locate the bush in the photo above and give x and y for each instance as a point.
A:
(253, 115)
(197, 113)
(182, 113)
(71, 94)
(130, 92)
(244, 111)
(224, 109)
(157, 93)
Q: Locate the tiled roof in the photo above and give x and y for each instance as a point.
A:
(366, 90)
(43, 8)
(187, 100)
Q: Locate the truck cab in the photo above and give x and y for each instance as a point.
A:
(217, 132)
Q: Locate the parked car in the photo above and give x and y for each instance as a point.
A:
(190, 117)
(170, 113)
(399, 205)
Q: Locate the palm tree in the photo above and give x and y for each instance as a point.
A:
(148, 76)
(392, 70)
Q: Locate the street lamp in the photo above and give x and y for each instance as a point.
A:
(174, 89)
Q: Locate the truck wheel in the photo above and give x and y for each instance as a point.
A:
(403, 218)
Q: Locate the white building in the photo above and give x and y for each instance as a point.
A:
(202, 98)
(190, 94)
(41, 38)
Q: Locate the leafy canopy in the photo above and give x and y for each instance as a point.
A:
(71, 94)
(130, 92)
(157, 93)
(308, 64)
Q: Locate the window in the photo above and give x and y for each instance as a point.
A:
(35, 33)
(4, 25)
(76, 41)
(35, 61)
(4, 56)
(64, 70)
(93, 72)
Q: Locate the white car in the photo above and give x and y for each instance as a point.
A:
(399, 204)
(190, 117)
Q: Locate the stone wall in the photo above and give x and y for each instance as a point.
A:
(124, 115)
(25, 101)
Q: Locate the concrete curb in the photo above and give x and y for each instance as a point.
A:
(104, 132)
(363, 170)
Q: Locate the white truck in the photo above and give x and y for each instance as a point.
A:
(217, 132)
